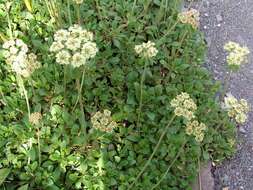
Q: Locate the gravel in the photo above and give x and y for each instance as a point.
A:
(223, 21)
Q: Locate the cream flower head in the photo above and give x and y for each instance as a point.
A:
(196, 129)
(22, 62)
(237, 109)
(184, 106)
(103, 121)
(35, 118)
(73, 46)
(147, 50)
(189, 17)
(237, 54)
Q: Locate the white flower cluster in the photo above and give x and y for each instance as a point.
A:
(237, 55)
(237, 109)
(146, 50)
(73, 46)
(103, 121)
(16, 54)
(184, 106)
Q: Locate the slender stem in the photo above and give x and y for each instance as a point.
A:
(98, 9)
(49, 10)
(4, 101)
(141, 92)
(30, 146)
(167, 33)
(181, 41)
(38, 141)
(134, 5)
(153, 153)
(171, 28)
(31, 83)
(27, 102)
(200, 184)
(69, 13)
(78, 14)
(81, 106)
(9, 24)
(227, 79)
(172, 163)
(79, 90)
(22, 86)
(65, 81)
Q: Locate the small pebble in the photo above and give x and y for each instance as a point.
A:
(242, 130)
(219, 18)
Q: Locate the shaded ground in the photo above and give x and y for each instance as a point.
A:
(223, 21)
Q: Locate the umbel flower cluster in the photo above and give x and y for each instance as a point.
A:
(184, 106)
(237, 109)
(35, 118)
(189, 17)
(73, 46)
(146, 50)
(103, 121)
(237, 54)
(197, 129)
(16, 54)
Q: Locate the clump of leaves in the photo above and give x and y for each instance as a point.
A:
(64, 151)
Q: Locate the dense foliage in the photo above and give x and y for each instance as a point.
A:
(64, 151)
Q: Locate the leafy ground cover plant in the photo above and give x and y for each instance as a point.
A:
(126, 131)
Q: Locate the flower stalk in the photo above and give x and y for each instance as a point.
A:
(153, 153)
(172, 163)
(141, 92)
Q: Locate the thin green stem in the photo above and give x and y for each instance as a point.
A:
(172, 163)
(49, 9)
(27, 101)
(225, 87)
(65, 81)
(29, 146)
(79, 90)
(78, 14)
(4, 101)
(98, 9)
(38, 141)
(199, 175)
(167, 33)
(171, 28)
(141, 92)
(9, 24)
(31, 84)
(81, 105)
(22, 86)
(153, 153)
(54, 11)
(69, 13)
(134, 5)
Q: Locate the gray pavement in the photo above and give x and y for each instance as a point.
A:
(223, 21)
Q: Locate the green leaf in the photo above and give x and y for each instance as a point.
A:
(3, 174)
(23, 187)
